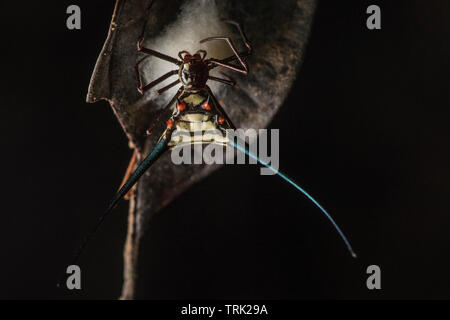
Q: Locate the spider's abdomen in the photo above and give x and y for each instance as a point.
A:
(197, 120)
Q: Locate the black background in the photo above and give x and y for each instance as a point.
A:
(365, 128)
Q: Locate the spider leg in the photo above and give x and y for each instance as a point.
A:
(241, 32)
(239, 56)
(150, 85)
(180, 54)
(203, 52)
(244, 69)
(170, 85)
(149, 51)
(230, 81)
(154, 53)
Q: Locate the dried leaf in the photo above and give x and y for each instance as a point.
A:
(277, 30)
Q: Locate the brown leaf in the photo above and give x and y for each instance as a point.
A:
(277, 30)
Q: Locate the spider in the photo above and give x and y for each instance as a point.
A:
(194, 114)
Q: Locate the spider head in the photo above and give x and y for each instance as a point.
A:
(193, 71)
